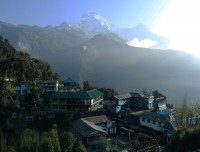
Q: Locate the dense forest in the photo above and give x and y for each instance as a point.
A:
(21, 66)
(16, 68)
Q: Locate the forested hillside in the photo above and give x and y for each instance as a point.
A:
(17, 68)
(20, 66)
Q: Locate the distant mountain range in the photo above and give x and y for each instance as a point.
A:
(94, 50)
(93, 23)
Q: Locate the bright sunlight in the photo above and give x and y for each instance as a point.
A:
(181, 24)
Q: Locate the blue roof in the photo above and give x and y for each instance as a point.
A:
(23, 88)
(166, 112)
(68, 80)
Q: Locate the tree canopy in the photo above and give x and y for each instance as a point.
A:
(21, 66)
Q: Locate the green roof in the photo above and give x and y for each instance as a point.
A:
(76, 95)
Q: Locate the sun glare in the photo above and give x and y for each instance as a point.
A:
(181, 24)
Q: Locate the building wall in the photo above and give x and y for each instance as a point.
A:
(162, 105)
(152, 124)
(48, 86)
(75, 105)
(140, 103)
(123, 102)
(69, 105)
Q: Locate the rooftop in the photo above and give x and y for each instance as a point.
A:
(155, 117)
(86, 126)
(96, 119)
(69, 80)
(47, 81)
(137, 113)
(123, 96)
(77, 95)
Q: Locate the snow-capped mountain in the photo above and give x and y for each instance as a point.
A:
(93, 23)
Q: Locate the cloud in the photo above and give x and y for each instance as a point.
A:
(146, 43)
(23, 46)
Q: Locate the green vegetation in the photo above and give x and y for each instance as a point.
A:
(186, 140)
(103, 145)
(108, 92)
(30, 140)
(19, 66)
(188, 136)
(79, 147)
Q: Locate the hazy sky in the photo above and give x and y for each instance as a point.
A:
(121, 13)
(179, 20)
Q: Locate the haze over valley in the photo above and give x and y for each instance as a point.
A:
(95, 50)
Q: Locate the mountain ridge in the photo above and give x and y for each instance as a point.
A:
(92, 23)
(107, 61)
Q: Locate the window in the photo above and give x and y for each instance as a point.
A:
(148, 120)
(160, 124)
(143, 119)
(154, 122)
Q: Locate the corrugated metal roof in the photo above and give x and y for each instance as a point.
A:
(94, 93)
(155, 117)
(96, 119)
(86, 128)
(123, 96)
(137, 113)
(77, 95)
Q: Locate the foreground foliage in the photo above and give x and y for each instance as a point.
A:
(186, 140)
(20, 66)
(30, 140)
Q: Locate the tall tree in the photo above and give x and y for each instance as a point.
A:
(87, 86)
(67, 141)
(79, 147)
(103, 144)
(54, 138)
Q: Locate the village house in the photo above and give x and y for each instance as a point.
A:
(160, 104)
(119, 102)
(21, 90)
(158, 122)
(76, 102)
(70, 85)
(141, 102)
(130, 102)
(48, 85)
(91, 129)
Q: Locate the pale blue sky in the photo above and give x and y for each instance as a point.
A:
(121, 13)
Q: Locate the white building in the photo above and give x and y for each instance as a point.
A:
(157, 121)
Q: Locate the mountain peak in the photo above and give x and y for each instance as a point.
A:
(93, 23)
(91, 14)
